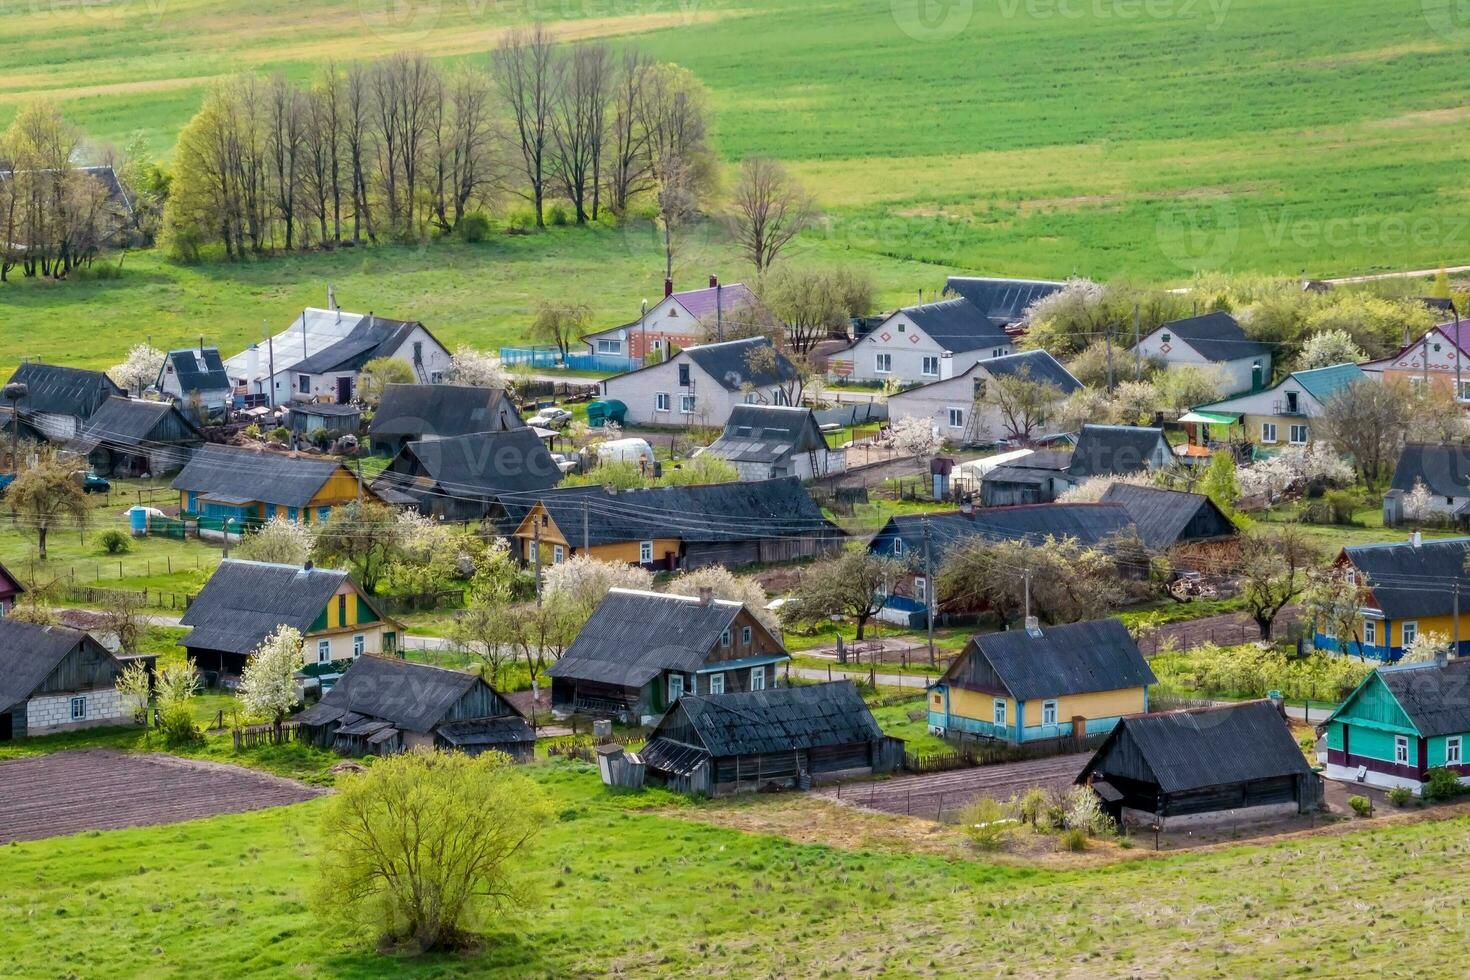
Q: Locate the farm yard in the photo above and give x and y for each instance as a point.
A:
(943, 795)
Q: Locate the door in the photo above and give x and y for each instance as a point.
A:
(5, 734)
(344, 390)
(1079, 727)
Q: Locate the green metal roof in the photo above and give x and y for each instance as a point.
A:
(1323, 383)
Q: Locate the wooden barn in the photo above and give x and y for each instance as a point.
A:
(382, 706)
(131, 437)
(1231, 762)
(786, 738)
(54, 679)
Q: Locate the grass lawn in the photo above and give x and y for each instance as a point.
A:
(894, 720)
(228, 896)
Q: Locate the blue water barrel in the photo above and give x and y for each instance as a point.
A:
(138, 520)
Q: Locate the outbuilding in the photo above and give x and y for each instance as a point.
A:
(54, 679)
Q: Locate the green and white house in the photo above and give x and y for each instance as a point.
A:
(1400, 722)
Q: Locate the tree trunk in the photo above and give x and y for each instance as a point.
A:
(1263, 623)
(41, 541)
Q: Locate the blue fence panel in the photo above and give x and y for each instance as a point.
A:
(551, 358)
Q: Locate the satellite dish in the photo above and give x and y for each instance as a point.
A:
(623, 334)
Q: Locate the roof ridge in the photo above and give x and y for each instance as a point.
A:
(672, 595)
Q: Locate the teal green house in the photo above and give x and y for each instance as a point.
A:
(1401, 722)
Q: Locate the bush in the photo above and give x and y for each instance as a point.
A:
(988, 823)
(252, 430)
(558, 215)
(320, 438)
(1085, 812)
(1442, 784)
(1074, 839)
(473, 227)
(114, 542)
(1400, 796)
(1361, 805)
(281, 434)
(1335, 507)
(1033, 806)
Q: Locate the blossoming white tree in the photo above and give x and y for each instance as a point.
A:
(725, 585)
(1418, 503)
(268, 686)
(583, 580)
(477, 369)
(139, 369)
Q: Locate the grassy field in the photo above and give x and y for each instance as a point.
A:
(685, 890)
(1285, 136)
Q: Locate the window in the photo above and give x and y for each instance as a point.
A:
(79, 709)
(998, 352)
(956, 418)
(693, 683)
(341, 610)
(745, 635)
(1370, 633)
(1298, 435)
(645, 552)
(1452, 751)
(609, 347)
(1268, 431)
(883, 363)
(725, 638)
(303, 384)
(750, 398)
(998, 711)
(1401, 748)
(661, 402)
(897, 546)
(322, 513)
(359, 645)
(323, 651)
(683, 375)
(686, 404)
(1351, 575)
(292, 514)
(676, 687)
(558, 554)
(778, 397)
(1167, 338)
(921, 589)
(1292, 402)
(1465, 391)
(1048, 712)
(390, 642)
(757, 678)
(1410, 633)
(717, 683)
(436, 377)
(930, 366)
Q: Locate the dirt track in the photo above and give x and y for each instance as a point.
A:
(941, 796)
(97, 789)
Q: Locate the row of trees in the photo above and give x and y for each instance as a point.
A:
(398, 147)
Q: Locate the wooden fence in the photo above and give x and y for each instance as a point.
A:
(160, 599)
(972, 754)
(258, 735)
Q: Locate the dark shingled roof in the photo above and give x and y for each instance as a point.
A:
(1077, 658)
(1004, 301)
(634, 636)
(198, 370)
(488, 731)
(57, 390)
(1444, 470)
(243, 474)
(372, 337)
(1216, 337)
(442, 410)
(1204, 747)
(1090, 524)
(1162, 516)
(768, 434)
(484, 465)
(244, 602)
(957, 325)
(1436, 697)
(1037, 365)
(1413, 583)
(133, 423)
(411, 696)
(28, 655)
(727, 363)
(1115, 450)
(779, 719)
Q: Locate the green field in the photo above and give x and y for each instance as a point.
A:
(1024, 137)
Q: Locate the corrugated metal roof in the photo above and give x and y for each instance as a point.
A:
(1004, 301)
(957, 325)
(198, 370)
(634, 636)
(1436, 697)
(135, 422)
(244, 602)
(768, 434)
(270, 478)
(1216, 337)
(1116, 450)
(779, 719)
(1323, 383)
(1443, 469)
(1411, 582)
(1075, 658)
(1090, 524)
(56, 390)
(1162, 516)
(443, 411)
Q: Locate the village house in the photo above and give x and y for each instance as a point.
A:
(1022, 476)
(381, 706)
(681, 320)
(133, 437)
(58, 400)
(671, 528)
(1277, 416)
(1400, 722)
(245, 602)
(1412, 587)
(1004, 302)
(1037, 683)
(1214, 343)
(320, 355)
(415, 413)
(640, 651)
(929, 342)
(1203, 766)
(756, 741)
(766, 442)
(54, 679)
(11, 589)
(702, 385)
(1118, 450)
(196, 373)
(961, 409)
(1444, 470)
(1439, 358)
(243, 485)
(461, 478)
(1167, 518)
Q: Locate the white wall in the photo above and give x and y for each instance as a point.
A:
(1236, 376)
(908, 355)
(712, 405)
(52, 712)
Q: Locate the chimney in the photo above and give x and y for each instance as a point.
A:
(1033, 627)
(308, 565)
(1416, 539)
(1279, 701)
(668, 288)
(201, 345)
(706, 595)
(714, 281)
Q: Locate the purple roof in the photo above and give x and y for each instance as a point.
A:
(701, 302)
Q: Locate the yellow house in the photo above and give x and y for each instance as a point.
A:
(540, 528)
(245, 602)
(221, 483)
(1030, 684)
(1408, 590)
(1283, 415)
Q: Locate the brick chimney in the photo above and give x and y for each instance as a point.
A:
(706, 595)
(668, 288)
(714, 281)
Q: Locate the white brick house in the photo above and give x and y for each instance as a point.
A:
(703, 385)
(54, 679)
(925, 343)
(957, 408)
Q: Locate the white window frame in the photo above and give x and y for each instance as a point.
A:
(1409, 632)
(661, 401)
(882, 363)
(1465, 391)
(1401, 750)
(1453, 751)
(924, 366)
(323, 651)
(757, 678)
(558, 554)
(956, 417)
(1268, 433)
(998, 712)
(686, 404)
(897, 546)
(676, 687)
(1370, 632)
(725, 638)
(645, 552)
(745, 635)
(1291, 435)
(717, 683)
(605, 346)
(79, 708)
(1351, 575)
(359, 645)
(921, 589)
(1048, 712)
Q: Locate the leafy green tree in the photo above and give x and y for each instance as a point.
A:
(1274, 569)
(1219, 483)
(378, 374)
(48, 496)
(853, 584)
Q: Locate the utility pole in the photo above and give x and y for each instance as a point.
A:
(536, 556)
(1137, 354)
(226, 528)
(929, 591)
(1426, 362)
(643, 328)
(1458, 394)
(1456, 652)
(586, 528)
(358, 461)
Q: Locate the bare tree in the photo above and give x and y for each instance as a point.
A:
(579, 124)
(461, 137)
(1022, 401)
(561, 324)
(770, 209)
(528, 73)
(677, 205)
(1366, 421)
(816, 303)
(1274, 569)
(629, 170)
(286, 139)
(357, 134)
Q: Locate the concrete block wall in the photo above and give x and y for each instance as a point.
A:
(52, 713)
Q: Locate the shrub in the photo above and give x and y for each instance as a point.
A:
(252, 430)
(558, 215)
(1361, 805)
(1085, 812)
(1033, 806)
(1400, 796)
(988, 823)
(281, 434)
(473, 227)
(1074, 839)
(1335, 507)
(320, 438)
(114, 542)
(1442, 784)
